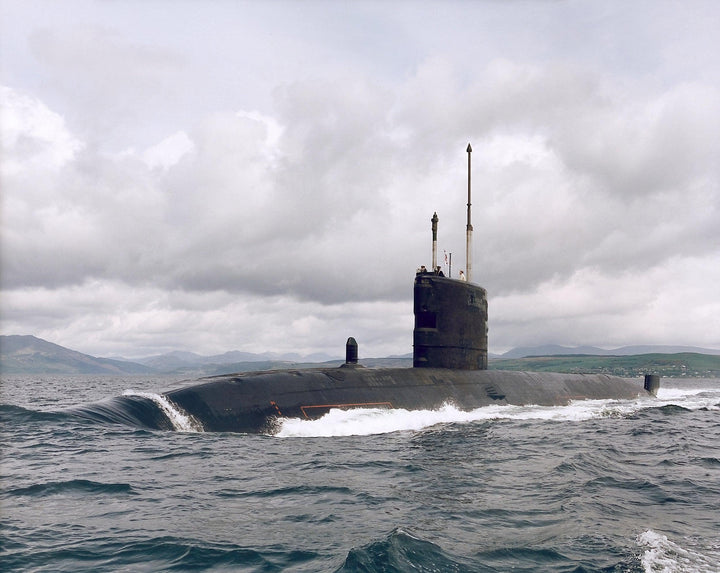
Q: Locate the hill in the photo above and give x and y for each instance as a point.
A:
(557, 350)
(32, 355)
(690, 364)
(179, 361)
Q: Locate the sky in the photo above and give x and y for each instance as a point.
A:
(222, 175)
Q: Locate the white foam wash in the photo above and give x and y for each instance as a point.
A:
(181, 420)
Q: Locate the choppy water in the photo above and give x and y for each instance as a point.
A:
(594, 486)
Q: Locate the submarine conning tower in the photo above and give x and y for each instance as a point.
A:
(450, 315)
(450, 323)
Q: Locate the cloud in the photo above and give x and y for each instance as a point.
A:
(617, 309)
(168, 152)
(244, 193)
(111, 318)
(33, 136)
(107, 82)
(177, 203)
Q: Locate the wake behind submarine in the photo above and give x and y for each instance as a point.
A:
(450, 342)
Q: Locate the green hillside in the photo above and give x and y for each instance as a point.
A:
(688, 364)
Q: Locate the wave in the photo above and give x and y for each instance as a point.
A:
(363, 422)
(20, 415)
(662, 554)
(690, 398)
(165, 553)
(136, 409)
(181, 420)
(403, 551)
(140, 410)
(72, 486)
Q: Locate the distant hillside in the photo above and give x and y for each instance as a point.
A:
(689, 364)
(32, 355)
(179, 361)
(556, 350)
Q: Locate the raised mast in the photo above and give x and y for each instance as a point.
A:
(434, 222)
(468, 240)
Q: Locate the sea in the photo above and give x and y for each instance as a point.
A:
(621, 486)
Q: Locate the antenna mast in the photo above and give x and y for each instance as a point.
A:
(468, 243)
(434, 222)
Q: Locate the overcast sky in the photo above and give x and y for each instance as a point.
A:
(260, 176)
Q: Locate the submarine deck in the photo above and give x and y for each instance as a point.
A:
(249, 402)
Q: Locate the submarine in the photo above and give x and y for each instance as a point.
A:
(450, 366)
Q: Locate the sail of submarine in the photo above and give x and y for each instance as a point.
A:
(450, 342)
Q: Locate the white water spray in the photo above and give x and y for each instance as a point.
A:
(368, 421)
(664, 556)
(181, 420)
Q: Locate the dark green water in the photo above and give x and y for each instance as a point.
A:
(599, 486)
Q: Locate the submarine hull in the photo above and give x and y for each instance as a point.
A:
(449, 366)
(255, 402)
(450, 360)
